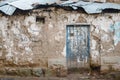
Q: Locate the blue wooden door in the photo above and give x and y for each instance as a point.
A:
(77, 42)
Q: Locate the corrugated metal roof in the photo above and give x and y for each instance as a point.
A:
(6, 2)
(30, 4)
(7, 9)
(9, 6)
(92, 7)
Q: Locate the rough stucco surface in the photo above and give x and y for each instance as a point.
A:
(27, 43)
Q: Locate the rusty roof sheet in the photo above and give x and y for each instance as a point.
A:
(9, 6)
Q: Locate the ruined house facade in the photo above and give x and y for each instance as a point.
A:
(53, 38)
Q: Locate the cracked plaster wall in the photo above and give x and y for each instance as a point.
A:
(25, 42)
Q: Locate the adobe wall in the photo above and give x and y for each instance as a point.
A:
(27, 44)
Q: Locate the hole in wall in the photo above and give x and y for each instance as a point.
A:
(40, 19)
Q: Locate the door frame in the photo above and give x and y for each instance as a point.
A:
(89, 34)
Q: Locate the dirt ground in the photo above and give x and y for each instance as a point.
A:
(75, 76)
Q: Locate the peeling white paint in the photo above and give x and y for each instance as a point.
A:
(9, 55)
(111, 49)
(64, 52)
(30, 60)
(34, 29)
(50, 25)
(94, 43)
(97, 30)
(59, 36)
(24, 39)
(20, 45)
(28, 49)
(116, 40)
(29, 20)
(105, 37)
(115, 17)
(15, 31)
(78, 59)
(72, 18)
(3, 27)
(16, 60)
(16, 53)
(92, 28)
(103, 23)
(95, 55)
